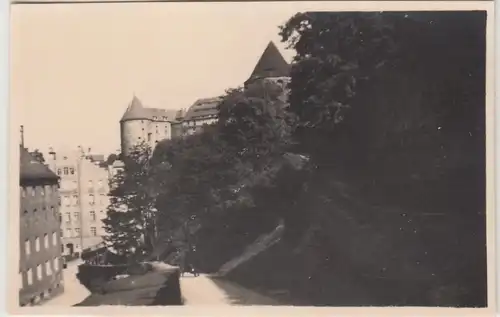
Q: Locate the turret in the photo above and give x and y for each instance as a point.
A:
(271, 65)
(133, 125)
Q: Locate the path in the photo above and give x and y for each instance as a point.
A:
(74, 292)
(206, 290)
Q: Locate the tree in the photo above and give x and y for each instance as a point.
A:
(200, 177)
(130, 221)
(383, 108)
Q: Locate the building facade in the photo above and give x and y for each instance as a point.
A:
(40, 263)
(84, 188)
(151, 125)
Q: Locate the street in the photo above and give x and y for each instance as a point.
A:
(74, 292)
(205, 290)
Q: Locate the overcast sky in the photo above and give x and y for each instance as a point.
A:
(75, 67)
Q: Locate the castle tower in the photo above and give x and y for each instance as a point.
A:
(134, 125)
(271, 66)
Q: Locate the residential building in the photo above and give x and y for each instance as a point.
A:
(40, 263)
(152, 125)
(84, 188)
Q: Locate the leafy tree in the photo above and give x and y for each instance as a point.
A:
(130, 222)
(203, 176)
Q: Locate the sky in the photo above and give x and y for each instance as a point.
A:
(75, 68)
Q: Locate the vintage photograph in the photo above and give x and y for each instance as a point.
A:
(236, 154)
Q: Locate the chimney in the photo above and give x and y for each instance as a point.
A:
(52, 154)
(22, 136)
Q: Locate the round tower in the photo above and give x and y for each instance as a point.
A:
(133, 126)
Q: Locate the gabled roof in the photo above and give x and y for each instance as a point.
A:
(271, 64)
(203, 108)
(32, 170)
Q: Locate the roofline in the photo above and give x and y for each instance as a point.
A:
(39, 180)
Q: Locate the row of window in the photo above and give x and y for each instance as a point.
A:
(77, 232)
(73, 184)
(66, 170)
(76, 216)
(46, 243)
(73, 200)
(38, 190)
(38, 273)
(44, 210)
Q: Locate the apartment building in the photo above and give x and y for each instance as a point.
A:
(40, 263)
(84, 188)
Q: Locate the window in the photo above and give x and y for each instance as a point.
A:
(54, 238)
(37, 244)
(92, 199)
(48, 268)
(101, 184)
(164, 118)
(23, 192)
(42, 191)
(91, 184)
(46, 241)
(75, 200)
(56, 264)
(77, 231)
(29, 276)
(67, 201)
(76, 216)
(27, 247)
(93, 231)
(69, 233)
(66, 171)
(39, 272)
(58, 171)
(59, 200)
(68, 217)
(92, 215)
(77, 246)
(32, 190)
(155, 118)
(48, 189)
(72, 171)
(59, 216)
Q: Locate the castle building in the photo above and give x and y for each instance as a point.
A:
(40, 263)
(84, 188)
(151, 125)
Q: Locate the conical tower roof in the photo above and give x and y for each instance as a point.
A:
(271, 64)
(135, 111)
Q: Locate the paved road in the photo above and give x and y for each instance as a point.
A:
(74, 292)
(205, 290)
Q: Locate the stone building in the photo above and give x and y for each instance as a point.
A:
(152, 125)
(84, 188)
(40, 263)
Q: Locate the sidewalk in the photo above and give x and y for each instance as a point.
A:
(74, 292)
(205, 290)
